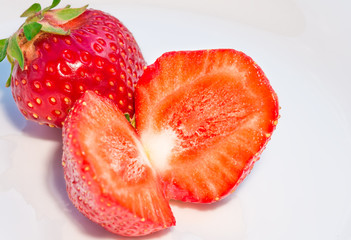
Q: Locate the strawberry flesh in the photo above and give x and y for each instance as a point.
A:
(213, 111)
(202, 120)
(108, 176)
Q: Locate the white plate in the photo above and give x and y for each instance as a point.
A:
(301, 187)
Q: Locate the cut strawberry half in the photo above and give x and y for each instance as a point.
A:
(108, 176)
(203, 118)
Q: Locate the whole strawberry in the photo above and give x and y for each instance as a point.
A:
(56, 55)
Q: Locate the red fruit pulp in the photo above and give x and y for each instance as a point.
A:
(210, 114)
(203, 118)
(108, 176)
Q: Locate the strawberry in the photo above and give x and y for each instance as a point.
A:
(204, 117)
(202, 120)
(108, 176)
(58, 54)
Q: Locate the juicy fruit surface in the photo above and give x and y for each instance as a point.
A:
(108, 176)
(202, 120)
(100, 54)
(217, 110)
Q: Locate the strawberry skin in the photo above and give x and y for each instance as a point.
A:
(108, 176)
(204, 117)
(99, 54)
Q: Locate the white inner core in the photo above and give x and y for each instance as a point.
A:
(158, 147)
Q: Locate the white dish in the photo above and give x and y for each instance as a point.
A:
(300, 189)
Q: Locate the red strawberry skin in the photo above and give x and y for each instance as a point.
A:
(213, 111)
(99, 54)
(108, 176)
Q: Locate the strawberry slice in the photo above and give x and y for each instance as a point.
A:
(108, 176)
(204, 117)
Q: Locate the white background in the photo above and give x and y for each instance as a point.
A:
(301, 187)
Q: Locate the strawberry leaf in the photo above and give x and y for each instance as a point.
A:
(130, 120)
(56, 30)
(8, 82)
(66, 14)
(3, 48)
(53, 4)
(31, 10)
(31, 30)
(15, 51)
(127, 116)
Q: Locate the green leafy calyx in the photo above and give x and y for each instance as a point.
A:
(3, 47)
(32, 10)
(55, 30)
(31, 30)
(53, 4)
(130, 120)
(36, 22)
(14, 51)
(67, 14)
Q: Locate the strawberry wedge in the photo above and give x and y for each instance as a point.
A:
(204, 117)
(108, 176)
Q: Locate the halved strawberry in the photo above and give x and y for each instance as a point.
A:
(204, 117)
(108, 176)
